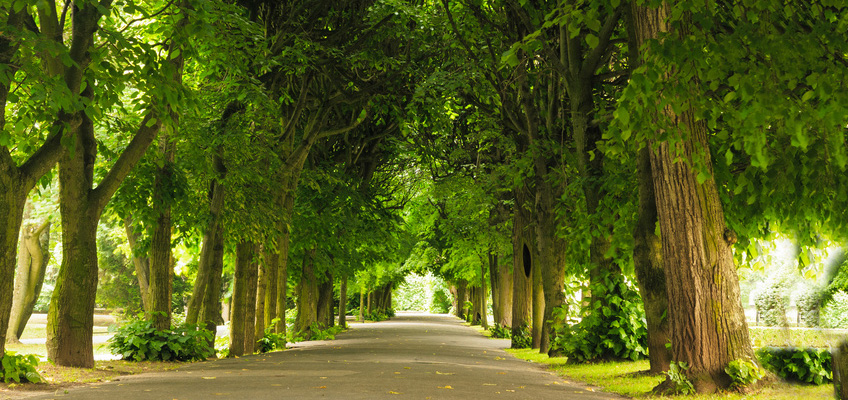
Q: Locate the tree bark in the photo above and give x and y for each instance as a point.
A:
(461, 288)
(647, 260)
(161, 268)
(307, 302)
(343, 302)
(522, 277)
(840, 370)
(261, 289)
(705, 311)
(484, 318)
(210, 307)
(252, 276)
(239, 318)
(325, 301)
(361, 304)
(32, 262)
(272, 268)
(538, 303)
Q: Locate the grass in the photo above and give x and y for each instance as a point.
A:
(100, 350)
(627, 378)
(38, 331)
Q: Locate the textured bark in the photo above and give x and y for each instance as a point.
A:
(501, 281)
(161, 266)
(461, 288)
(282, 282)
(538, 301)
(239, 319)
(343, 302)
(209, 314)
(325, 301)
(261, 289)
(32, 262)
(647, 260)
(474, 314)
(272, 267)
(361, 304)
(522, 283)
(252, 276)
(705, 311)
(307, 302)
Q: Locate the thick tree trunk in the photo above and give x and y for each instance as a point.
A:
(210, 310)
(551, 261)
(239, 317)
(325, 301)
(343, 302)
(705, 311)
(504, 293)
(361, 304)
(474, 295)
(461, 289)
(252, 276)
(538, 301)
(282, 281)
(522, 277)
(272, 268)
(261, 289)
(307, 301)
(647, 260)
(32, 262)
(12, 200)
(493, 283)
(161, 267)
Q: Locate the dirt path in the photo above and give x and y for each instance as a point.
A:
(412, 356)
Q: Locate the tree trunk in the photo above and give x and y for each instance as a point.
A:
(343, 302)
(12, 200)
(840, 370)
(252, 276)
(538, 301)
(307, 302)
(239, 317)
(325, 301)
(272, 268)
(522, 277)
(282, 281)
(261, 289)
(141, 264)
(474, 295)
(647, 260)
(705, 311)
(32, 263)
(484, 318)
(551, 261)
(161, 268)
(461, 288)
(505, 288)
(210, 312)
(493, 283)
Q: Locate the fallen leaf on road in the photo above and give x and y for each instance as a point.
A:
(208, 377)
(490, 384)
(500, 358)
(320, 387)
(445, 387)
(444, 373)
(391, 392)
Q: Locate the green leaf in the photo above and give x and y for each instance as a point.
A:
(592, 40)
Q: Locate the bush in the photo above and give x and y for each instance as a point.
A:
(500, 332)
(614, 328)
(523, 339)
(138, 340)
(835, 313)
(19, 368)
(677, 375)
(271, 341)
(744, 372)
(771, 304)
(809, 304)
(809, 364)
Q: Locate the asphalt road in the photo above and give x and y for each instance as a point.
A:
(412, 356)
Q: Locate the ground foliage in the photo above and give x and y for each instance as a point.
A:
(138, 340)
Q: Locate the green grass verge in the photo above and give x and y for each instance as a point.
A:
(626, 378)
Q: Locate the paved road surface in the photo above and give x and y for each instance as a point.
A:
(411, 356)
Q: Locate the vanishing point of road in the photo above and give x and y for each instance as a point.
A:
(415, 356)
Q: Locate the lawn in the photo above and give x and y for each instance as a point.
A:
(627, 378)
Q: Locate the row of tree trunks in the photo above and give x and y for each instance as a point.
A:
(33, 256)
(307, 300)
(501, 282)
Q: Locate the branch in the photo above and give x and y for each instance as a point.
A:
(156, 14)
(590, 64)
(353, 125)
(43, 160)
(147, 131)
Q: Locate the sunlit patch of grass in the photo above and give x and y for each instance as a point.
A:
(39, 331)
(625, 378)
(100, 350)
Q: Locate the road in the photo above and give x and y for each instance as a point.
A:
(411, 356)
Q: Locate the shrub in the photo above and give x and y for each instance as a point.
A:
(677, 375)
(610, 329)
(771, 304)
(744, 372)
(270, 340)
(500, 332)
(809, 304)
(441, 303)
(138, 340)
(522, 338)
(19, 368)
(809, 364)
